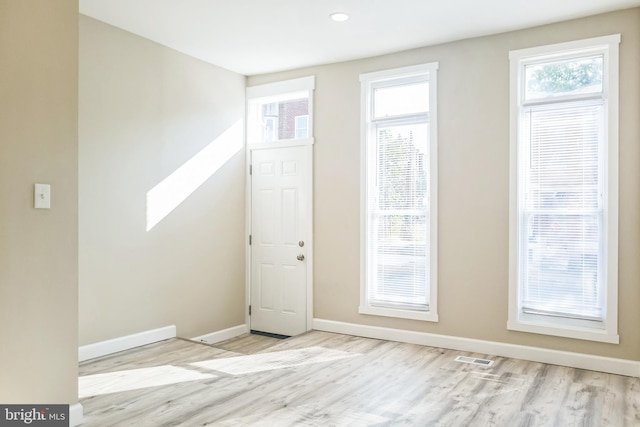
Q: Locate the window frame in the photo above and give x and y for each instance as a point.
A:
(608, 46)
(369, 82)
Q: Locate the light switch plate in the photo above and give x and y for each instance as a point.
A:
(42, 196)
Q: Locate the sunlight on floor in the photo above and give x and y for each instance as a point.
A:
(113, 382)
(276, 360)
(175, 188)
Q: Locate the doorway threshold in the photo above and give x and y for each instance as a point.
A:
(270, 335)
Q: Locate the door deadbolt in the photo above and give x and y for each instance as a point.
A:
(301, 243)
(300, 257)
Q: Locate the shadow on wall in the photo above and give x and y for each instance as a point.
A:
(175, 188)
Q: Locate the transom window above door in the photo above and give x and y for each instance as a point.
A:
(280, 112)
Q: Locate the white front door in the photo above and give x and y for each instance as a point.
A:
(280, 247)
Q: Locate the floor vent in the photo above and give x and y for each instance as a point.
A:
(474, 361)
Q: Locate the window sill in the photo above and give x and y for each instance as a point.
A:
(428, 316)
(559, 327)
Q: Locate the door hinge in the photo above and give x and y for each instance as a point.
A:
(249, 310)
(250, 169)
(249, 239)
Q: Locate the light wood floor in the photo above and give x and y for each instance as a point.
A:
(323, 379)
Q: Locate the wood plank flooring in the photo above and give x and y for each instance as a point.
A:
(324, 379)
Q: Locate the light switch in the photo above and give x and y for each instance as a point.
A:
(42, 199)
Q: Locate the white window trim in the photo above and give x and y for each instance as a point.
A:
(606, 331)
(278, 91)
(282, 87)
(367, 81)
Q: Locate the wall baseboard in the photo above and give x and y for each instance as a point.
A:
(222, 335)
(103, 348)
(535, 354)
(76, 413)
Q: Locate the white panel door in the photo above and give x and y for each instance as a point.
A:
(280, 200)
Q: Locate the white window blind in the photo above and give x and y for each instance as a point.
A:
(399, 268)
(399, 226)
(562, 210)
(563, 240)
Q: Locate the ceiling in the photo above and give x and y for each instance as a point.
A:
(259, 36)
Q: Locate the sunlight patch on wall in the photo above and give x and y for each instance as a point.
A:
(174, 189)
(134, 379)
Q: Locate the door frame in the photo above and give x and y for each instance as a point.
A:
(308, 207)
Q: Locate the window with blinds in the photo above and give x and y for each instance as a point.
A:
(399, 193)
(562, 192)
(561, 210)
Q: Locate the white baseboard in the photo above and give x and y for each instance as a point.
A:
(76, 412)
(535, 354)
(222, 335)
(103, 348)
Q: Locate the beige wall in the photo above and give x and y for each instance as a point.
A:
(473, 183)
(38, 248)
(144, 111)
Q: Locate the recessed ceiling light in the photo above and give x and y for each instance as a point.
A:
(339, 16)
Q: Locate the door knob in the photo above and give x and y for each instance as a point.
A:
(300, 257)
